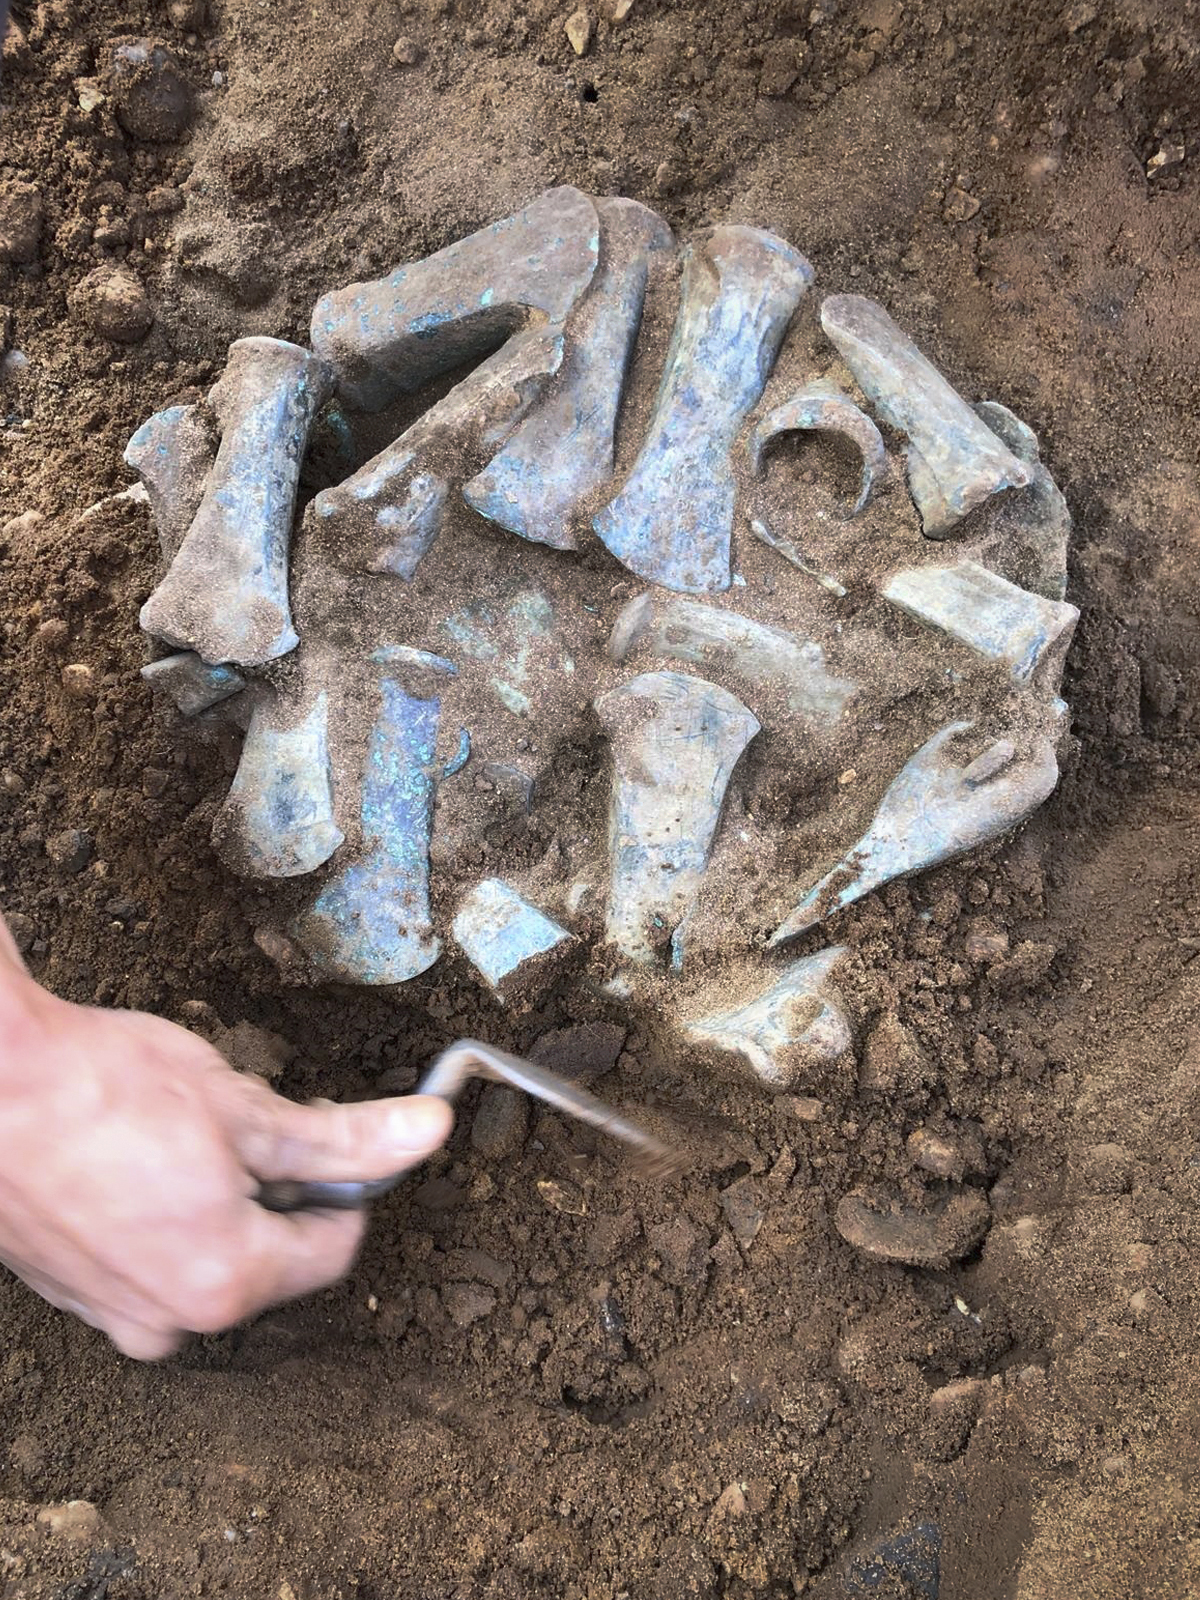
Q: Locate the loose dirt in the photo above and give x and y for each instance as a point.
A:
(546, 1377)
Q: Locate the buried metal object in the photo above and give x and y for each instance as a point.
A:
(487, 615)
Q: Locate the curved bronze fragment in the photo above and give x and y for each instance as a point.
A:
(822, 407)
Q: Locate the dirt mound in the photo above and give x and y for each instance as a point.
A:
(547, 1376)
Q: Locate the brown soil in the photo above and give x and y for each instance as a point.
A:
(643, 1406)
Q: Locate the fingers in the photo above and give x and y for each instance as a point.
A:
(273, 1258)
(276, 1138)
(305, 1251)
(268, 1259)
(141, 1343)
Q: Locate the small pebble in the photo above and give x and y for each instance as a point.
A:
(195, 1013)
(255, 1050)
(731, 1502)
(21, 215)
(501, 1122)
(152, 97)
(478, 1267)
(962, 1395)
(89, 96)
(945, 1232)
(960, 206)
(1167, 156)
(466, 1303)
(115, 305)
(22, 526)
(164, 200)
(805, 1108)
(935, 1154)
(70, 850)
(907, 1563)
(682, 1248)
(578, 29)
(566, 1198)
(742, 1212)
(892, 1059)
(79, 681)
(52, 634)
(406, 52)
(986, 942)
(189, 16)
(73, 1519)
(22, 929)
(12, 782)
(583, 1052)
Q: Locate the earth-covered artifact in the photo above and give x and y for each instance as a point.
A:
(688, 615)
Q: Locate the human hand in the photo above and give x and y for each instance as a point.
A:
(130, 1153)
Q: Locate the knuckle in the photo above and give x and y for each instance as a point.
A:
(212, 1294)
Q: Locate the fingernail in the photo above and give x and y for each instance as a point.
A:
(418, 1122)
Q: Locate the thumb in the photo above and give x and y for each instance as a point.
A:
(276, 1138)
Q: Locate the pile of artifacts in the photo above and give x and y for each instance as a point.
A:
(593, 666)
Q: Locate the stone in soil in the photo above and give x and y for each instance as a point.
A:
(892, 1058)
(581, 1053)
(578, 29)
(115, 305)
(20, 223)
(683, 1250)
(189, 16)
(940, 1156)
(74, 1519)
(150, 93)
(79, 680)
(70, 850)
(906, 1563)
(742, 1211)
(946, 1232)
(501, 1122)
(466, 1303)
(477, 1266)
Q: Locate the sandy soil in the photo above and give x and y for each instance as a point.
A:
(609, 1395)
